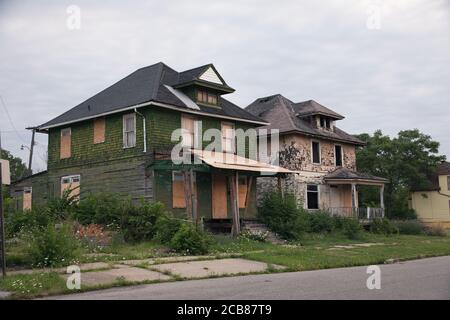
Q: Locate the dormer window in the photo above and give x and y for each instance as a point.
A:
(204, 96)
(324, 122)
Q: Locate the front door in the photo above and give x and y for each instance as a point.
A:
(219, 196)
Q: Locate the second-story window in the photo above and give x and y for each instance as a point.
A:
(206, 97)
(66, 143)
(129, 130)
(227, 137)
(99, 130)
(338, 156)
(315, 146)
(188, 124)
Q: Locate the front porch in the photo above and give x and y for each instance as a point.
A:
(344, 200)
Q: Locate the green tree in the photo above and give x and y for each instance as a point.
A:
(406, 160)
(17, 167)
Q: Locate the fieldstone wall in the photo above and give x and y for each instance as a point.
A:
(295, 154)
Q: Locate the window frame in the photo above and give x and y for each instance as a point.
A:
(194, 129)
(125, 133)
(223, 137)
(103, 134)
(203, 96)
(316, 192)
(69, 130)
(342, 155)
(312, 152)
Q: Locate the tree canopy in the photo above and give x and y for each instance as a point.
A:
(18, 168)
(406, 160)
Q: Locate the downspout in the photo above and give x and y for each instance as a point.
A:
(145, 129)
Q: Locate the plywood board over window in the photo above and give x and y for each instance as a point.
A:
(243, 185)
(99, 130)
(27, 198)
(71, 183)
(178, 196)
(65, 143)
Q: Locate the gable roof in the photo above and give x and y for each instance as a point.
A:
(282, 115)
(432, 183)
(147, 86)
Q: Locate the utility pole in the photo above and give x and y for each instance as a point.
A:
(31, 150)
(2, 218)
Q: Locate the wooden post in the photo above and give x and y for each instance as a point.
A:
(382, 200)
(236, 226)
(354, 198)
(193, 197)
(30, 160)
(247, 195)
(2, 219)
(187, 193)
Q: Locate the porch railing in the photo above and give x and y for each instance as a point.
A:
(360, 213)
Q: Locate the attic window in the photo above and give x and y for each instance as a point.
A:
(206, 97)
(65, 143)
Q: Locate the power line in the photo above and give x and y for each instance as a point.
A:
(10, 120)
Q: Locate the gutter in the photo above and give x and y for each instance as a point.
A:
(145, 128)
(162, 105)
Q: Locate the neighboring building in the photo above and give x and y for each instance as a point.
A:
(432, 204)
(119, 141)
(322, 154)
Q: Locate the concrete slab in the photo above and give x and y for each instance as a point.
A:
(4, 294)
(207, 268)
(110, 276)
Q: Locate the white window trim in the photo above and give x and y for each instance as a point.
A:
(342, 154)
(312, 153)
(125, 116)
(71, 178)
(318, 196)
(233, 143)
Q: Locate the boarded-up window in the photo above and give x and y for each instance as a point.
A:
(27, 198)
(178, 197)
(315, 152)
(228, 137)
(71, 183)
(188, 125)
(66, 143)
(243, 185)
(129, 130)
(99, 130)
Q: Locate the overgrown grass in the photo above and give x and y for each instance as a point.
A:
(321, 253)
(35, 284)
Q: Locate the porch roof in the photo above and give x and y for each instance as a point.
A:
(347, 176)
(229, 161)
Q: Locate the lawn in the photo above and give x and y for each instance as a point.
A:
(315, 251)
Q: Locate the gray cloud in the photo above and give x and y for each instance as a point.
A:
(393, 78)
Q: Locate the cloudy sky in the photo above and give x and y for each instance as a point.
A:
(383, 64)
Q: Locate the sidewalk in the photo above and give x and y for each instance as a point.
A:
(160, 269)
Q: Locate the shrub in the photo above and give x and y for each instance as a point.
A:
(166, 227)
(320, 222)
(139, 222)
(383, 226)
(23, 221)
(190, 240)
(52, 246)
(93, 236)
(412, 227)
(435, 230)
(351, 228)
(100, 208)
(282, 215)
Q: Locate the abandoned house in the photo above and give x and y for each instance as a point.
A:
(119, 141)
(321, 154)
